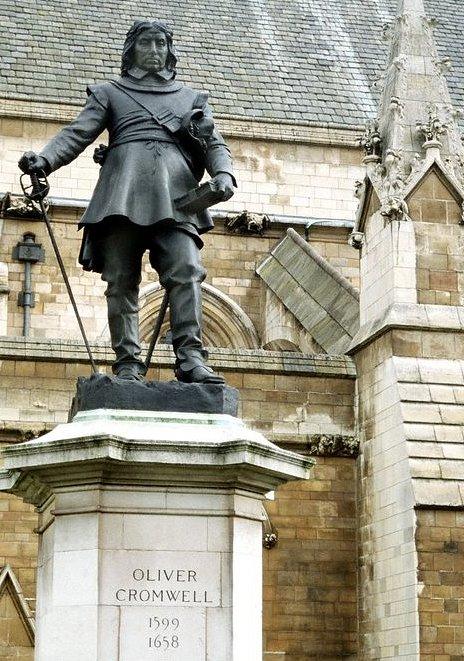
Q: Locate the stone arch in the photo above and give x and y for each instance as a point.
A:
(17, 618)
(281, 344)
(225, 324)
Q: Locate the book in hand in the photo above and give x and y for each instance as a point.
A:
(199, 199)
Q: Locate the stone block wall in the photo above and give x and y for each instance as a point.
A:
(387, 556)
(18, 541)
(294, 179)
(15, 644)
(18, 548)
(388, 267)
(439, 240)
(291, 398)
(274, 177)
(286, 405)
(440, 542)
(52, 315)
(230, 260)
(310, 576)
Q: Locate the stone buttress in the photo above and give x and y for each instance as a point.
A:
(409, 352)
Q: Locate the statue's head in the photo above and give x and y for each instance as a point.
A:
(146, 35)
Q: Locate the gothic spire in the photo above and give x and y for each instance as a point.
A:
(416, 122)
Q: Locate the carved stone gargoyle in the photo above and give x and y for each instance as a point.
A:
(248, 223)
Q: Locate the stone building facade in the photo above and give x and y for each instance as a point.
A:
(340, 323)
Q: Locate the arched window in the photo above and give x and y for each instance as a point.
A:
(225, 324)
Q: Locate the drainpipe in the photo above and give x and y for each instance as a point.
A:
(4, 291)
(29, 252)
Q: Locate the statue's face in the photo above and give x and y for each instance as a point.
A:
(151, 50)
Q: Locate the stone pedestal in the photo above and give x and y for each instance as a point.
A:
(150, 534)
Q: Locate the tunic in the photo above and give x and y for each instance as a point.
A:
(146, 167)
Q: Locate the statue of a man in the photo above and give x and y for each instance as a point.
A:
(161, 140)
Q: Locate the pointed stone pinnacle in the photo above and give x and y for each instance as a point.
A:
(415, 101)
(411, 7)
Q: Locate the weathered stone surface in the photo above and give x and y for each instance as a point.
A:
(105, 392)
(438, 534)
(16, 618)
(333, 445)
(166, 519)
(59, 352)
(320, 298)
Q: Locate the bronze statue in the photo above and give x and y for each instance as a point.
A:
(161, 140)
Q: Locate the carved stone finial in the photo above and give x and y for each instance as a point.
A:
(378, 84)
(432, 22)
(432, 129)
(18, 206)
(393, 177)
(270, 540)
(248, 223)
(400, 62)
(387, 31)
(416, 163)
(371, 141)
(444, 64)
(394, 208)
(455, 166)
(333, 445)
(397, 106)
(393, 205)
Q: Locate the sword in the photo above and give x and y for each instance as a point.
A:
(36, 193)
(156, 330)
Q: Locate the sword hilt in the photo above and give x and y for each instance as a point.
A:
(39, 187)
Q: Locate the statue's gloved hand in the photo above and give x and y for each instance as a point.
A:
(32, 162)
(224, 183)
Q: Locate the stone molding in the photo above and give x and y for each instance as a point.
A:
(31, 489)
(231, 126)
(241, 360)
(156, 449)
(411, 316)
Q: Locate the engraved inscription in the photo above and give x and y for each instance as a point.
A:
(168, 579)
(161, 595)
(162, 634)
(167, 636)
(162, 598)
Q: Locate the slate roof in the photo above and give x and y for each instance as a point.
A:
(295, 60)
